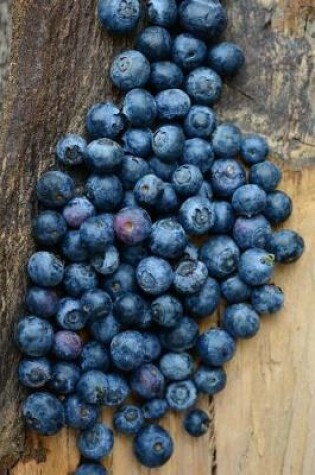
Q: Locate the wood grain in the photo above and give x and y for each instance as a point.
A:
(264, 422)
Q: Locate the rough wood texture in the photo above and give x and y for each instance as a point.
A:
(264, 421)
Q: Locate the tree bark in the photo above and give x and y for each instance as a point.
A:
(59, 67)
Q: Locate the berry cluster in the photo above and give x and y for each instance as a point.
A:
(118, 285)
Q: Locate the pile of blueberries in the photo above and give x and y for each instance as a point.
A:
(118, 287)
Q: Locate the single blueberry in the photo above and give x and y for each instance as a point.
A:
(148, 190)
(196, 215)
(226, 140)
(79, 278)
(34, 373)
(168, 239)
(45, 269)
(226, 58)
(203, 17)
(168, 142)
(127, 350)
(182, 337)
(130, 70)
(43, 413)
(128, 419)
(234, 290)
(210, 380)
(49, 227)
(105, 328)
(215, 347)
(187, 180)
(162, 12)
(103, 156)
(64, 377)
(137, 142)
(172, 104)
(204, 86)
(198, 152)
(123, 280)
(67, 345)
(266, 175)
(200, 122)
(267, 299)
(241, 321)
(96, 304)
(181, 395)
(117, 390)
(147, 381)
(104, 120)
(154, 275)
(254, 149)
(155, 43)
(34, 336)
(54, 189)
(249, 200)
(105, 192)
(140, 108)
(42, 302)
(155, 409)
(177, 366)
(226, 176)
(70, 315)
(92, 387)
(153, 446)
(119, 16)
(78, 210)
(132, 225)
(278, 207)
(256, 266)
(70, 149)
(96, 442)
(286, 245)
(79, 414)
(166, 75)
(72, 247)
(97, 233)
(132, 169)
(190, 276)
(224, 217)
(169, 202)
(205, 302)
(188, 51)
(94, 356)
(166, 310)
(107, 262)
(251, 232)
(196, 423)
(221, 256)
(129, 309)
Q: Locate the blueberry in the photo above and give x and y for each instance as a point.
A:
(129, 309)
(182, 337)
(96, 304)
(200, 122)
(226, 58)
(130, 70)
(190, 276)
(221, 256)
(103, 156)
(45, 269)
(172, 104)
(234, 290)
(132, 225)
(43, 413)
(147, 381)
(119, 16)
(198, 152)
(177, 366)
(196, 423)
(227, 140)
(162, 12)
(286, 245)
(168, 238)
(49, 227)
(266, 175)
(166, 310)
(140, 108)
(92, 387)
(127, 350)
(79, 414)
(196, 215)
(64, 377)
(204, 302)
(107, 262)
(123, 280)
(97, 233)
(187, 180)
(215, 347)
(105, 192)
(79, 278)
(90, 469)
(104, 329)
(148, 190)
(155, 43)
(210, 380)
(153, 446)
(70, 149)
(137, 142)
(94, 356)
(256, 266)
(54, 189)
(154, 275)
(162, 170)
(133, 168)
(204, 86)
(132, 255)
(249, 200)
(70, 315)
(181, 395)
(117, 390)
(166, 75)
(226, 176)
(34, 336)
(104, 120)
(72, 247)
(203, 17)
(267, 299)
(96, 442)
(128, 419)
(241, 321)
(168, 143)
(155, 409)
(78, 210)
(42, 302)
(188, 51)
(67, 345)
(223, 217)
(152, 346)
(34, 372)
(278, 207)
(254, 149)
(251, 232)
(169, 201)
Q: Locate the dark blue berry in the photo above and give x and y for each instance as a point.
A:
(241, 321)
(166, 75)
(127, 350)
(198, 152)
(226, 176)
(132, 255)
(249, 200)
(97, 233)
(278, 207)
(70, 315)
(203, 17)
(96, 304)
(34, 372)
(196, 423)
(42, 302)
(104, 120)
(105, 328)
(188, 51)
(223, 217)
(226, 58)
(155, 43)
(155, 409)
(130, 70)
(117, 390)
(147, 381)
(49, 227)
(123, 280)
(78, 210)
(119, 16)
(190, 276)
(267, 299)
(154, 275)
(105, 192)
(92, 387)
(133, 168)
(204, 302)
(162, 12)
(169, 201)
(168, 142)
(129, 309)
(128, 419)
(64, 377)
(251, 232)
(221, 256)
(43, 413)
(256, 266)
(181, 395)
(187, 180)
(153, 446)
(152, 346)
(215, 347)
(234, 290)
(103, 156)
(227, 140)
(140, 108)
(107, 262)
(70, 149)
(196, 215)
(172, 104)
(254, 149)
(200, 122)
(148, 190)
(137, 142)
(286, 245)
(54, 189)
(72, 247)
(67, 345)
(177, 366)
(161, 169)
(79, 414)
(168, 238)
(34, 336)
(182, 337)
(45, 269)
(94, 356)
(204, 86)
(96, 442)
(210, 380)
(166, 310)
(79, 278)
(266, 175)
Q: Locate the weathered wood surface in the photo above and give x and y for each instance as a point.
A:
(264, 422)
